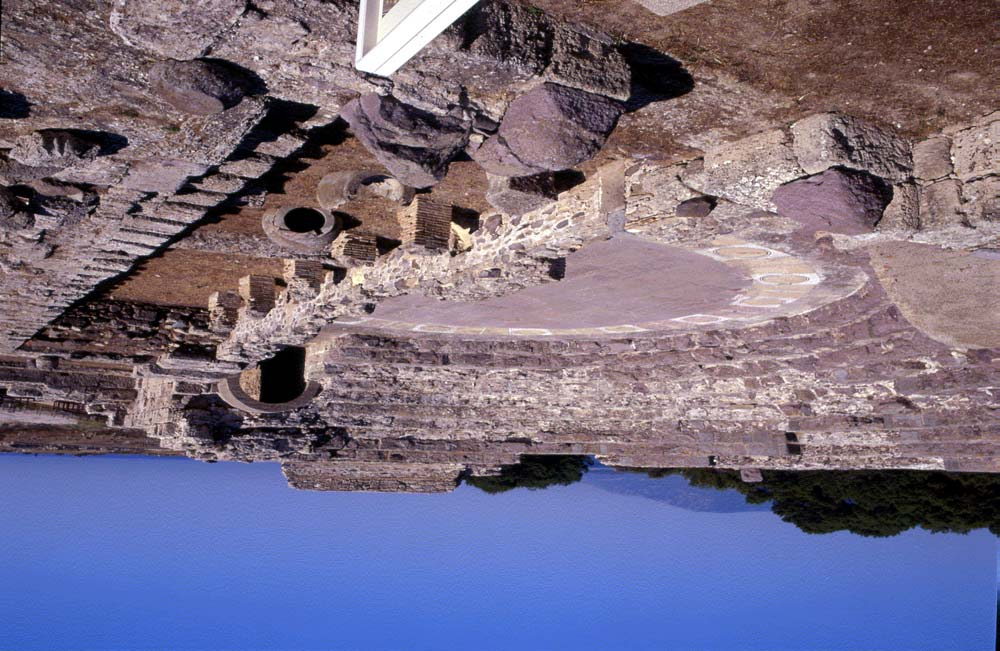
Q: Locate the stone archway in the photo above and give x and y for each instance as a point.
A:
(275, 385)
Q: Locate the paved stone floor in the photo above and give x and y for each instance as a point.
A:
(624, 279)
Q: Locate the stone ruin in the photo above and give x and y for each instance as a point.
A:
(813, 362)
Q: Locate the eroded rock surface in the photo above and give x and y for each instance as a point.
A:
(199, 87)
(415, 145)
(976, 150)
(54, 148)
(747, 171)
(829, 139)
(176, 29)
(932, 158)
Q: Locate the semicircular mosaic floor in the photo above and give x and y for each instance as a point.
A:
(632, 284)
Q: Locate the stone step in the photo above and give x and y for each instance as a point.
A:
(200, 198)
(132, 236)
(152, 226)
(136, 249)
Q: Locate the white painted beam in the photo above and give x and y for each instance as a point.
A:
(386, 42)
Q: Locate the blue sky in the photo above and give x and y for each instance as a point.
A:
(137, 553)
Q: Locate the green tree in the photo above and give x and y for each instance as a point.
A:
(868, 503)
(535, 472)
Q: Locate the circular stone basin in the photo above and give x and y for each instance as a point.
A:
(624, 280)
(301, 228)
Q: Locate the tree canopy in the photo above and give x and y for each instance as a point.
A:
(876, 503)
(535, 472)
(869, 503)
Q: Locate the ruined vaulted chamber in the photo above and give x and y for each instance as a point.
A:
(258, 252)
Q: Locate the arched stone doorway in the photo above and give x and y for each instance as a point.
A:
(275, 385)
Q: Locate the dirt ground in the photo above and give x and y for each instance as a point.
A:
(188, 278)
(919, 64)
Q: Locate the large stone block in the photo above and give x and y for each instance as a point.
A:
(511, 34)
(828, 139)
(589, 62)
(976, 151)
(415, 145)
(941, 205)
(982, 199)
(903, 212)
(837, 200)
(550, 128)
(519, 44)
(747, 171)
(932, 158)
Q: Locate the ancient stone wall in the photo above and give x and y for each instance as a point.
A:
(121, 329)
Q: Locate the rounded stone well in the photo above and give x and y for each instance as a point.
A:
(275, 385)
(303, 229)
(339, 188)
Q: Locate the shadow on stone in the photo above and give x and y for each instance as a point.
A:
(567, 179)
(697, 207)
(519, 195)
(282, 118)
(212, 418)
(557, 268)
(109, 143)
(203, 86)
(250, 81)
(347, 220)
(655, 76)
(13, 105)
